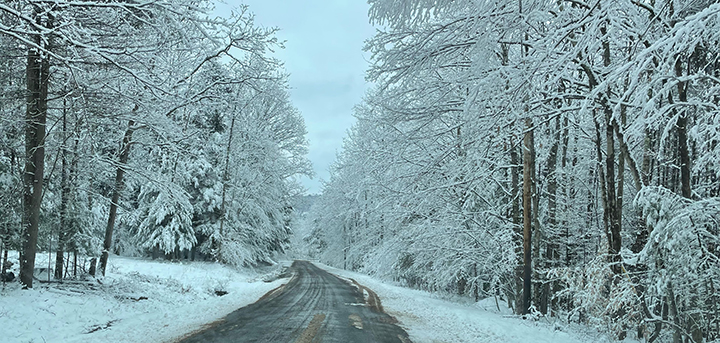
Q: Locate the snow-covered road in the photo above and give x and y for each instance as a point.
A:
(314, 306)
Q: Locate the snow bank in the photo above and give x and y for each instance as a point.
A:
(429, 319)
(138, 301)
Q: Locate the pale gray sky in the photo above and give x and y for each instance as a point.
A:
(323, 54)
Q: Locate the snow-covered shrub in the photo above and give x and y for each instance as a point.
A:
(682, 258)
(594, 295)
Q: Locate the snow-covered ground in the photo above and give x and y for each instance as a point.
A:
(180, 299)
(430, 319)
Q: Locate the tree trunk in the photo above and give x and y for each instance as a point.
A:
(4, 261)
(551, 254)
(639, 178)
(540, 237)
(612, 210)
(646, 175)
(92, 268)
(683, 150)
(64, 194)
(570, 197)
(686, 188)
(515, 216)
(226, 174)
(38, 68)
(673, 311)
(515, 184)
(601, 176)
(67, 264)
(528, 151)
(119, 175)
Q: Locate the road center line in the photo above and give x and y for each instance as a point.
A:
(311, 331)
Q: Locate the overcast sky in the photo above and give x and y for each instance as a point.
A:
(323, 54)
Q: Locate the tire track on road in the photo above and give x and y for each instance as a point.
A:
(314, 306)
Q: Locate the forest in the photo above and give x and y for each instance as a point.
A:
(143, 128)
(561, 156)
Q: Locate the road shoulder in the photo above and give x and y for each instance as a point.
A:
(428, 318)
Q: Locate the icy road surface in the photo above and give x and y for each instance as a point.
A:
(314, 306)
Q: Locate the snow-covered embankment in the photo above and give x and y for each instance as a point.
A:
(138, 301)
(428, 318)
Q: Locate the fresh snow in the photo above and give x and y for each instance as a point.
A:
(180, 299)
(428, 318)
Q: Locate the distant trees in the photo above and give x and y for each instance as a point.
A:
(125, 101)
(532, 150)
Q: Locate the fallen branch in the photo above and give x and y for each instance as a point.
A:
(102, 326)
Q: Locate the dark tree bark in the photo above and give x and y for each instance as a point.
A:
(92, 268)
(119, 182)
(64, 195)
(639, 179)
(683, 151)
(4, 261)
(685, 183)
(528, 188)
(515, 185)
(38, 68)
(515, 206)
(539, 233)
(611, 210)
(551, 254)
(528, 179)
(515, 216)
(226, 174)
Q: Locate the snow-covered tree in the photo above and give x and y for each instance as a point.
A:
(619, 96)
(137, 109)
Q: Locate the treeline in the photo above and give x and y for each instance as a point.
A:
(143, 128)
(562, 156)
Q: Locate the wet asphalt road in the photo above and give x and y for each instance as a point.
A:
(314, 306)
